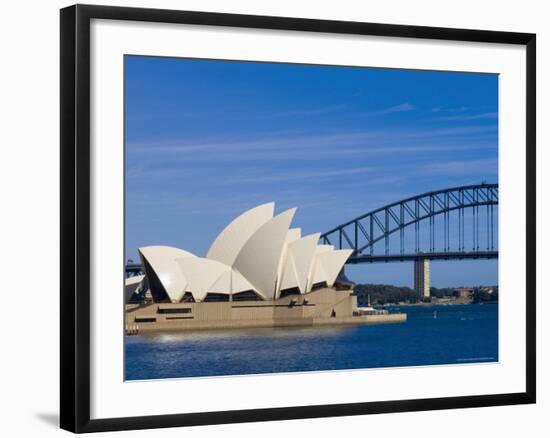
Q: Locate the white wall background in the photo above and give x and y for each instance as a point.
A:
(29, 206)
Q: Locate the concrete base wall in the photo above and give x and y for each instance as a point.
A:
(321, 307)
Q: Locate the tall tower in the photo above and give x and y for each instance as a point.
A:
(422, 278)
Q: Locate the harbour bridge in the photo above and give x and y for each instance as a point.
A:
(450, 224)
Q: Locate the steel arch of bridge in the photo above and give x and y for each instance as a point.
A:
(363, 232)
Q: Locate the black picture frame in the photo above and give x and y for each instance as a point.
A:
(75, 217)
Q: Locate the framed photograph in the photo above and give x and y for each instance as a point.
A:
(268, 218)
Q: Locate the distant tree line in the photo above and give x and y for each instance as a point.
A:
(443, 292)
(381, 294)
(386, 293)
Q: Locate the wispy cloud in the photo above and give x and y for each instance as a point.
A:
(282, 143)
(469, 117)
(440, 109)
(370, 141)
(176, 161)
(247, 177)
(482, 166)
(302, 174)
(304, 112)
(401, 108)
(292, 112)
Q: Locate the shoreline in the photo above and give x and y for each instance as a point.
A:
(431, 304)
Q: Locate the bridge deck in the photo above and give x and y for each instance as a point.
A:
(456, 255)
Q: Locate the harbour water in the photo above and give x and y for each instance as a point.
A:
(432, 335)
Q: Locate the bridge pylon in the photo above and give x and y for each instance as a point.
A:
(422, 278)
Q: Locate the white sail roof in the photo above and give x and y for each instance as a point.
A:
(292, 235)
(231, 282)
(162, 259)
(298, 260)
(332, 263)
(223, 284)
(302, 252)
(239, 283)
(229, 243)
(289, 278)
(318, 275)
(206, 276)
(256, 252)
(134, 280)
(130, 286)
(258, 260)
(316, 272)
(201, 274)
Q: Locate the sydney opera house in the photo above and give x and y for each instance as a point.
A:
(258, 272)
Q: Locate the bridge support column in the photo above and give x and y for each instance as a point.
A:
(422, 278)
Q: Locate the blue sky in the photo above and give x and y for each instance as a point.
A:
(206, 140)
